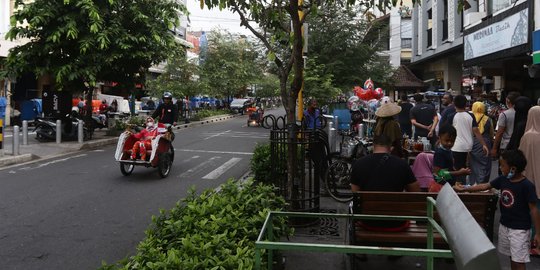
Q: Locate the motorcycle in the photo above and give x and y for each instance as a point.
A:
(46, 129)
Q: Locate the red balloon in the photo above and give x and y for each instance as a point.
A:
(378, 93)
(365, 95)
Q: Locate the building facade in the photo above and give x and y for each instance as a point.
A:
(437, 47)
(498, 46)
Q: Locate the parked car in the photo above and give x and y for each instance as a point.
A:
(240, 104)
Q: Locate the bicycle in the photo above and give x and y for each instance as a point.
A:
(338, 175)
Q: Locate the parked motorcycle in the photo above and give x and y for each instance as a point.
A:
(46, 129)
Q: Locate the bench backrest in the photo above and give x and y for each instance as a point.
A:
(482, 206)
(471, 248)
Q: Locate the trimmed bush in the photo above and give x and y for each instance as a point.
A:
(260, 163)
(208, 113)
(215, 230)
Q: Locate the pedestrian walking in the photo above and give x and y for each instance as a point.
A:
(522, 106)
(466, 127)
(505, 125)
(480, 163)
(530, 146)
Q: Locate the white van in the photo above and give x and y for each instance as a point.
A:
(240, 104)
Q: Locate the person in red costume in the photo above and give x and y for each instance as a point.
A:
(145, 139)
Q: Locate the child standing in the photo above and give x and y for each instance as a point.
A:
(518, 208)
(443, 158)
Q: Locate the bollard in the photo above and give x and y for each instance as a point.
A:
(331, 141)
(58, 131)
(15, 146)
(80, 131)
(1, 137)
(25, 132)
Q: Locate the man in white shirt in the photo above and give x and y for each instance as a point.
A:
(466, 128)
(505, 125)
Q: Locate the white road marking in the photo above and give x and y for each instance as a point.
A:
(52, 162)
(98, 150)
(221, 169)
(218, 134)
(198, 167)
(215, 152)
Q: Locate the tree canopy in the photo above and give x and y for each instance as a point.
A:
(87, 41)
(230, 66)
(349, 56)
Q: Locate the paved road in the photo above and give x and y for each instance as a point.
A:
(74, 211)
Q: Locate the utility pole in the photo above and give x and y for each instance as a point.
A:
(300, 101)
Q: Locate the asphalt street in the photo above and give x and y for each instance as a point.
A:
(76, 210)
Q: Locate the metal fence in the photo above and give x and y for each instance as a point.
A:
(309, 148)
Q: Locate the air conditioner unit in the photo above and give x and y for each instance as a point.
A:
(473, 17)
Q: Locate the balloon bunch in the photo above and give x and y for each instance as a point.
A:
(369, 91)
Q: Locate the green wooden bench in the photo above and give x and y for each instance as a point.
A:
(469, 245)
(482, 207)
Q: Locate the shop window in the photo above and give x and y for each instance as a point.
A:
(445, 21)
(429, 31)
(406, 43)
(496, 5)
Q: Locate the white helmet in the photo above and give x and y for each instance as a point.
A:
(353, 103)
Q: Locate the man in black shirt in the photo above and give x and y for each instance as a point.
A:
(423, 118)
(166, 112)
(382, 171)
(404, 117)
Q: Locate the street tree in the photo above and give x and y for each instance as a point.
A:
(350, 55)
(180, 78)
(278, 25)
(318, 82)
(267, 86)
(230, 65)
(82, 42)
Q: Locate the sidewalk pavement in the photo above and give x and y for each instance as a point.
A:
(35, 150)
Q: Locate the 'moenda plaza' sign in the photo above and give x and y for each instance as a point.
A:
(507, 33)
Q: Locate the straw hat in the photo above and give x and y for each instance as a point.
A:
(388, 109)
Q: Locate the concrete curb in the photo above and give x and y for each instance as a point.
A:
(206, 121)
(8, 160)
(17, 159)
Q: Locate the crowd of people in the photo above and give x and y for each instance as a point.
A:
(466, 139)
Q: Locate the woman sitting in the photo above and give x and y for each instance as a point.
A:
(145, 139)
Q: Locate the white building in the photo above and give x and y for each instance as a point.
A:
(437, 47)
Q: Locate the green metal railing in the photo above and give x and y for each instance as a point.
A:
(266, 240)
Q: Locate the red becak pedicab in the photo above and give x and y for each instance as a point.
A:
(255, 116)
(160, 153)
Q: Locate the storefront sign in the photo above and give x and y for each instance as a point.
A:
(507, 33)
(536, 47)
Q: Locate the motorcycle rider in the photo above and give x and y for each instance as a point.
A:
(166, 112)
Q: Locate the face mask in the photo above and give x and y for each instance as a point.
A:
(150, 124)
(510, 174)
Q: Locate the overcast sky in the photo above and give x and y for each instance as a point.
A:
(204, 19)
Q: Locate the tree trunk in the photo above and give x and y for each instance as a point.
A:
(88, 108)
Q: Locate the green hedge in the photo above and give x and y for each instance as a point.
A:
(208, 113)
(260, 163)
(215, 230)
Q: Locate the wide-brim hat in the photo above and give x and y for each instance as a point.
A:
(388, 109)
